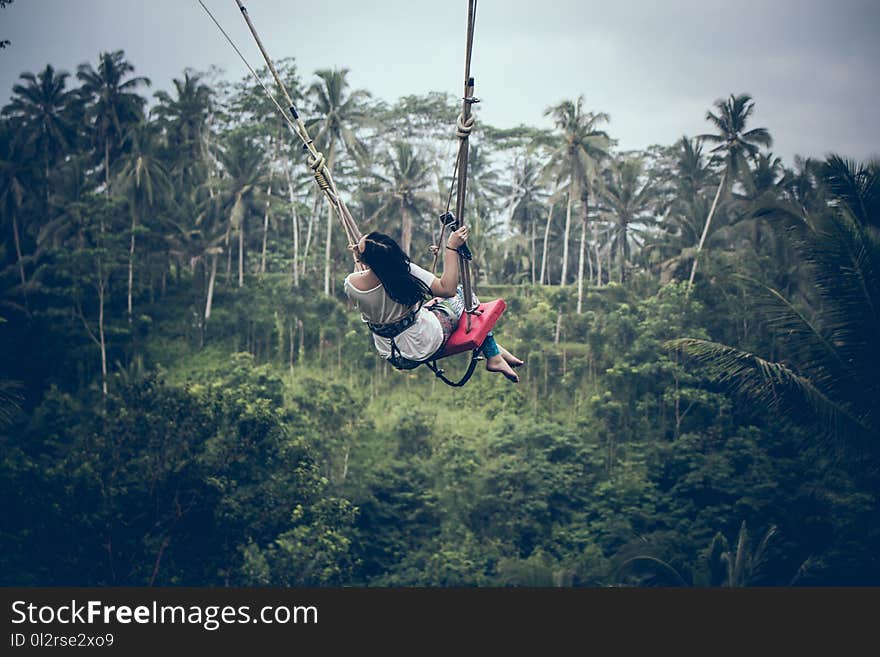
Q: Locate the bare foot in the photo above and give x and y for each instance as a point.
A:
(498, 364)
(512, 360)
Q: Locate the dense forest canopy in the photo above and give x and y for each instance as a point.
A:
(187, 398)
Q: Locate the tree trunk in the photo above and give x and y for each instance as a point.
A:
(532, 253)
(345, 455)
(565, 240)
(406, 229)
(292, 343)
(106, 168)
(165, 542)
(608, 262)
(101, 338)
(327, 249)
(241, 252)
(295, 222)
(558, 325)
(131, 262)
(581, 255)
(226, 241)
(295, 219)
(546, 245)
(265, 230)
(509, 214)
(18, 255)
(312, 220)
(705, 231)
(211, 280)
(589, 266)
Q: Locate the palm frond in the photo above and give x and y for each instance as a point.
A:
(773, 384)
(856, 186)
(651, 567)
(715, 561)
(11, 397)
(837, 339)
(740, 563)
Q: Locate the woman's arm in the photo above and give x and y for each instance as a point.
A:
(446, 285)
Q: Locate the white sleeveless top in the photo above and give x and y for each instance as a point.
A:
(417, 342)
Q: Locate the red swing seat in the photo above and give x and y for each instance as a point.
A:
(482, 321)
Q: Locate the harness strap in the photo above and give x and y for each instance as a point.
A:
(393, 329)
(440, 373)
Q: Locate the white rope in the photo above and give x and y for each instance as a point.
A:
(463, 128)
(316, 160)
(290, 123)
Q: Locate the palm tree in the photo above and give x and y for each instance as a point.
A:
(11, 399)
(763, 185)
(184, 119)
(339, 114)
(111, 104)
(627, 199)
(78, 244)
(245, 168)
(832, 365)
(67, 225)
(576, 160)
(294, 181)
(692, 172)
(41, 112)
(735, 143)
(144, 180)
(14, 171)
(800, 186)
(855, 186)
(681, 205)
(483, 192)
(555, 195)
(528, 202)
(198, 242)
(718, 565)
(404, 188)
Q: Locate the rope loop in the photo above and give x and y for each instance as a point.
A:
(463, 128)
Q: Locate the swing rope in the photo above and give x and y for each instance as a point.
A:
(315, 160)
(463, 128)
(317, 163)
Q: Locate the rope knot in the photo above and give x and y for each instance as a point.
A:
(463, 128)
(317, 161)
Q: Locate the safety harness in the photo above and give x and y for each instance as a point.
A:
(391, 331)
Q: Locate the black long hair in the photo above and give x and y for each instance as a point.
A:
(391, 265)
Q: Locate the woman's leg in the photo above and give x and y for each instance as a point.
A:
(496, 361)
(490, 348)
(512, 360)
(456, 303)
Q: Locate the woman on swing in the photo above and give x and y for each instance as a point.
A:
(390, 295)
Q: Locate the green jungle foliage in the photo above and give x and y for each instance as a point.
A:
(187, 398)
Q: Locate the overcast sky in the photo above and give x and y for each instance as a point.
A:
(656, 66)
